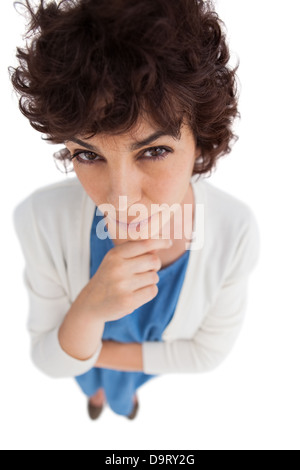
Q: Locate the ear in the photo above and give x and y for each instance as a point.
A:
(198, 151)
(198, 155)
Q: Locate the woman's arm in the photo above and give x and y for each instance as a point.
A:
(80, 332)
(212, 342)
(125, 357)
(65, 337)
(223, 321)
(48, 302)
(208, 349)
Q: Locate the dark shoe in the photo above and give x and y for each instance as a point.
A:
(94, 411)
(135, 410)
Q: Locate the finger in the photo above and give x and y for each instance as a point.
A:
(144, 263)
(144, 295)
(132, 249)
(143, 280)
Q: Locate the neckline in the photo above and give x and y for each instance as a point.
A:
(167, 269)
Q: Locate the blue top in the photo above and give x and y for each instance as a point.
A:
(147, 323)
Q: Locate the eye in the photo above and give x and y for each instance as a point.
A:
(156, 153)
(86, 157)
(151, 154)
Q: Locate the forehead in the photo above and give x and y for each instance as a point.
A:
(136, 136)
(142, 129)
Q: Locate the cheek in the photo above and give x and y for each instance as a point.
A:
(83, 178)
(91, 182)
(169, 187)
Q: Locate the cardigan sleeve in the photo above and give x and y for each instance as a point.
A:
(48, 300)
(218, 333)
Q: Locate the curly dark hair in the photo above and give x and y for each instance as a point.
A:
(92, 66)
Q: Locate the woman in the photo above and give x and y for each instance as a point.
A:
(141, 95)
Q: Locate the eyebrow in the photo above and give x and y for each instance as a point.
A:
(135, 146)
(83, 144)
(150, 139)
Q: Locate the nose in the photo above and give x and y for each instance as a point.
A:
(124, 188)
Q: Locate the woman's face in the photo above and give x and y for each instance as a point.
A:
(144, 165)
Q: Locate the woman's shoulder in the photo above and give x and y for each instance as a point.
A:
(232, 232)
(62, 192)
(49, 203)
(224, 210)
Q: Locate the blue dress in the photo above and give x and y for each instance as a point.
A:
(147, 323)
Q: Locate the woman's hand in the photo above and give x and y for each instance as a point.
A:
(126, 279)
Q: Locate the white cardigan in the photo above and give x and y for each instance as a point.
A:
(53, 226)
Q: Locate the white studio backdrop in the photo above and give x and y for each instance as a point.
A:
(252, 400)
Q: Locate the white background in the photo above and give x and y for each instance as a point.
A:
(252, 400)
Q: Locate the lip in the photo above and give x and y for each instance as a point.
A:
(133, 224)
